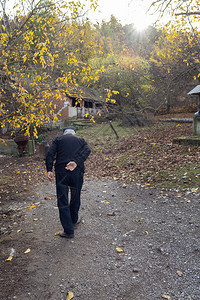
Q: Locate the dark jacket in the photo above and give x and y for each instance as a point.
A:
(67, 148)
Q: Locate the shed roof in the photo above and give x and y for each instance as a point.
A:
(87, 94)
(195, 91)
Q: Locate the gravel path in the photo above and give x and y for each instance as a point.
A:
(157, 234)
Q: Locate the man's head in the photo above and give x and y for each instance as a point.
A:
(69, 129)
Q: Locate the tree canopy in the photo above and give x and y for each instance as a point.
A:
(50, 49)
(38, 55)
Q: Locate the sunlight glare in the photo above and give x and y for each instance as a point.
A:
(128, 12)
(141, 20)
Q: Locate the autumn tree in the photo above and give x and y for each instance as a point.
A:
(174, 64)
(180, 16)
(175, 57)
(33, 42)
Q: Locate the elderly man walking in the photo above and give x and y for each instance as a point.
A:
(70, 152)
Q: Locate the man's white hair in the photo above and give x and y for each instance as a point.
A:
(69, 131)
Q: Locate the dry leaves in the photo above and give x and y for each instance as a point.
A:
(12, 253)
(111, 214)
(27, 251)
(9, 258)
(128, 201)
(119, 250)
(127, 233)
(70, 295)
(147, 167)
(32, 206)
(57, 233)
(165, 297)
(180, 273)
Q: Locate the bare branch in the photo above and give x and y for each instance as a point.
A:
(188, 13)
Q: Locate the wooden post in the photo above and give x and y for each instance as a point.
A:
(114, 130)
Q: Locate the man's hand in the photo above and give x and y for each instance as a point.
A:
(50, 176)
(71, 166)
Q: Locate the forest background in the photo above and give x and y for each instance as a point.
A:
(52, 47)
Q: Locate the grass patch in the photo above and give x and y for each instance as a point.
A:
(103, 133)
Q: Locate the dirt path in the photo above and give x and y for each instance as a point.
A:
(158, 233)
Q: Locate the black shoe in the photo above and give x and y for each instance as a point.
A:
(79, 221)
(66, 235)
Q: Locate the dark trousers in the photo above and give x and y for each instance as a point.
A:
(68, 208)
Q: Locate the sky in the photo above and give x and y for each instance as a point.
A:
(126, 11)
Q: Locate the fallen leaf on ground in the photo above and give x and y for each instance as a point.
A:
(119, 249)
(180, 273)
(19, 230)
(37, 203)
(9, 258)
(70, 295)
(107, 202)
(47, 197)
(127, 201)
(32, 206)
(35, 219)
(28, 231)
(27, 251)
(111, 214)
(125, 234)
(165, 297)
(57, 233)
